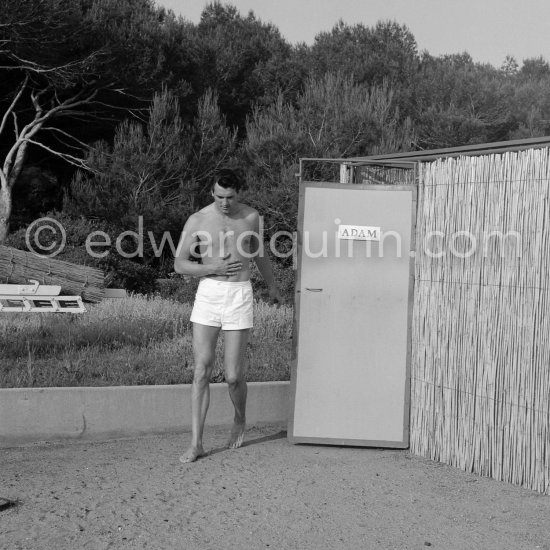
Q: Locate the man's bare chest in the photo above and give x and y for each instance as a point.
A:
(223, 228)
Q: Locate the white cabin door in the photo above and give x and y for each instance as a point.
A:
(350, 377)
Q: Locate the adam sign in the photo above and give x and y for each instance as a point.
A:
(359, 232)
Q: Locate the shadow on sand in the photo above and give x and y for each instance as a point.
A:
(278, 435)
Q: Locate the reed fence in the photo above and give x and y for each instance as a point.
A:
(480, 372)
(18, 267)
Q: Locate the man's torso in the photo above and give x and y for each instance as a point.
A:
(220, 235)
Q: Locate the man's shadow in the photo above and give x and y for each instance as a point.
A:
(278, 435)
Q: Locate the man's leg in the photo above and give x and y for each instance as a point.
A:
(235, 370)
(204, 351)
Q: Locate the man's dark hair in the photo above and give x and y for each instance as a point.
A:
(228, 179)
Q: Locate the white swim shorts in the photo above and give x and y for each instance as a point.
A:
(224, 304)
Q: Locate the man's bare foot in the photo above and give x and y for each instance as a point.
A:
(192, 454)
(237, 435)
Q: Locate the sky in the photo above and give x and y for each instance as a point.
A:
(488, 30)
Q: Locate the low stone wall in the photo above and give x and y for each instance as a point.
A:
(46, 414)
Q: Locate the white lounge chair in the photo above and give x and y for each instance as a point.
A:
(37, 298)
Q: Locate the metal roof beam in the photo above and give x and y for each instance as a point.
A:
(468, 150)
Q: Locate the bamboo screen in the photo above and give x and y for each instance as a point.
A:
(18, 267)
(480, 372)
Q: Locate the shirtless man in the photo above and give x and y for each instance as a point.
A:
(225, 235)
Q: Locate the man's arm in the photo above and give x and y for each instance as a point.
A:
(261, 258)
(185, 264)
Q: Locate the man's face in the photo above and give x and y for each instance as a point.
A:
(226, 199)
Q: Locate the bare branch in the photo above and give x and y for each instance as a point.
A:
(15, 125)
(35, 101)
(53, 129)
(11, 155)
(61, 70)
(13, 103)
(116, 107)
(71, 159)
(66, 108)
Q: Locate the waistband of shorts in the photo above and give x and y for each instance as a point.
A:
(227, 284)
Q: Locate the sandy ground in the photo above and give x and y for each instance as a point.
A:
(134, 493)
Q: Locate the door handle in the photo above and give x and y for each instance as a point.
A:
(315, 289)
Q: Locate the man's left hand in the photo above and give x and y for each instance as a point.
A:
(275, 296)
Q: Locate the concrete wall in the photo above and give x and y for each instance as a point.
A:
(38, 414)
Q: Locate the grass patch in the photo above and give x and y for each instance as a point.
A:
(131, 341)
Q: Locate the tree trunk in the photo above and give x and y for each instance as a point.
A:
(9, 177)
(5, 212)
